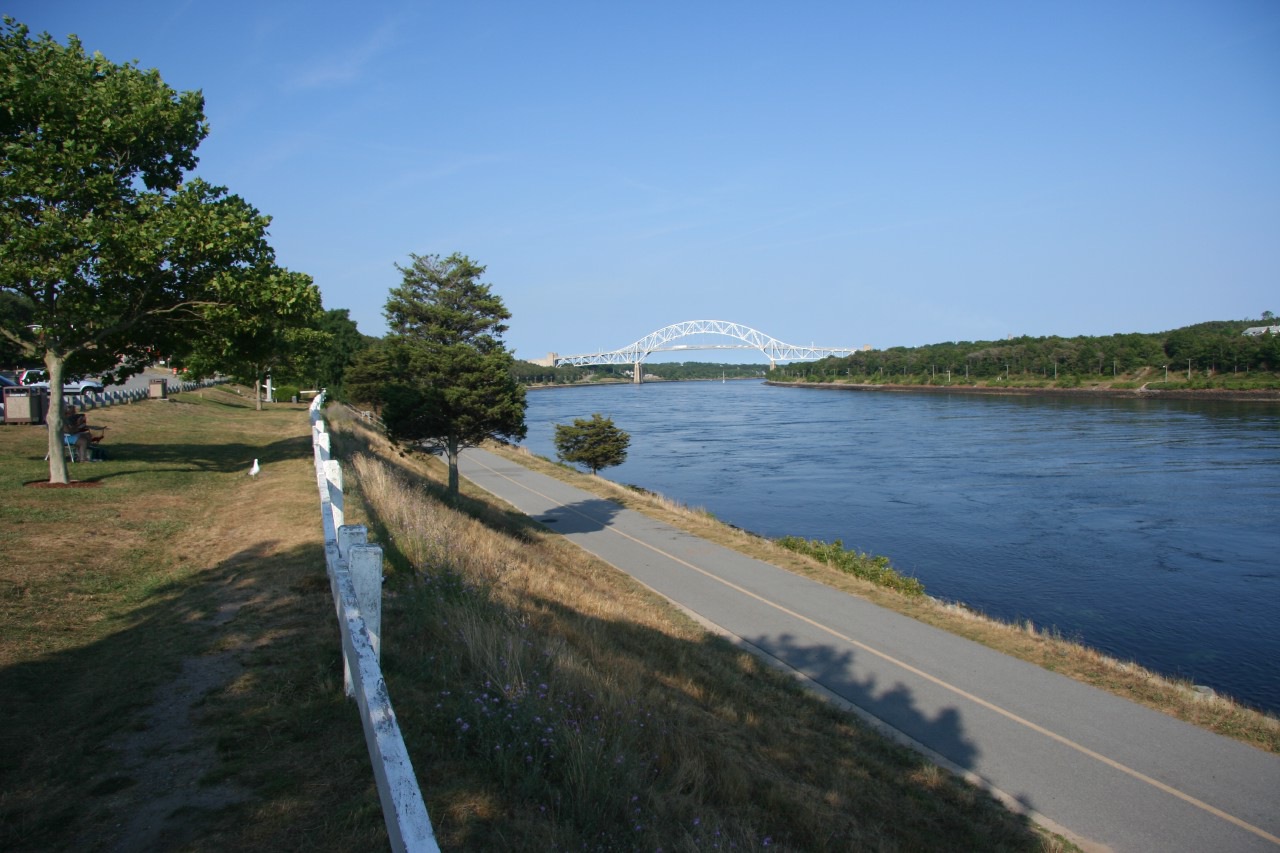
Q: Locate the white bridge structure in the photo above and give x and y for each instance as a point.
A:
(660, 341)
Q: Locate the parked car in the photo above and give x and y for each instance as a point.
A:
(73, 386)
(31, 376)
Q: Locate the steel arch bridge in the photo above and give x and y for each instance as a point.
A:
(659, 341)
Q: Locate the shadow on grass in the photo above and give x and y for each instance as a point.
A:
(212, 711)
(637, 739)
(212, 458)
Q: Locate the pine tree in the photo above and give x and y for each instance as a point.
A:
(454, 387)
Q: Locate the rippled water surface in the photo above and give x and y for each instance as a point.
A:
(1148, 529)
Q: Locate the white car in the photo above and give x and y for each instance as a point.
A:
(73, 386)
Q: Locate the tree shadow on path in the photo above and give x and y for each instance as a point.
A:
(833, 669)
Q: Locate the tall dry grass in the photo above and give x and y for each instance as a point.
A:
(552, 703)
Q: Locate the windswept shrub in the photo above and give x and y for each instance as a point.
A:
(865, 566)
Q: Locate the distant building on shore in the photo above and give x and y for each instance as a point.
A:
(1255, 331)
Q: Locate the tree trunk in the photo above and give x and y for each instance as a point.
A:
(257, 391)
(53, 365)
(451, 453)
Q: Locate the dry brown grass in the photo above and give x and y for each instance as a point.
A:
(1044, 647)
(550, 702)
(168, 658)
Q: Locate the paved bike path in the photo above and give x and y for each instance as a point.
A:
(1111, 773)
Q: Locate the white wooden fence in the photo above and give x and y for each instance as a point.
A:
(355, 578)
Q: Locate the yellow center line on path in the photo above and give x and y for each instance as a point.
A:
(1065, 741)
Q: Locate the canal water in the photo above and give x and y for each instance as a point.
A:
(1147, 529)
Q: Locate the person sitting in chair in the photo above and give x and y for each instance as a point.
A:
(75, 423)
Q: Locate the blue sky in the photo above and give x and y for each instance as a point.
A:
(839, 174)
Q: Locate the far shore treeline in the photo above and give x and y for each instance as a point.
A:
(1216, 354)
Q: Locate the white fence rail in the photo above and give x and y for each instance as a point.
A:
(355, 578)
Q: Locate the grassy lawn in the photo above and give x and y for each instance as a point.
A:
(168, 656)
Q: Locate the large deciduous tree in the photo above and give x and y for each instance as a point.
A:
(325, 367)
(252, 340)
(454, 387)
(596, 443)
(112, 257)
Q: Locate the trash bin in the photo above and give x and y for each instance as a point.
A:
(158, 389)
(25, 405)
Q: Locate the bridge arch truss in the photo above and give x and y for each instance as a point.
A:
(660, 341)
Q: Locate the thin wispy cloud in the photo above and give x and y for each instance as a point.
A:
(348, 67)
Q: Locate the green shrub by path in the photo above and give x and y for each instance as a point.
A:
(874, 569)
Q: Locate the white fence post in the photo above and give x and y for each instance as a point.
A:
(333, 476)
(348, 535)
(323, 443)
(365, 564)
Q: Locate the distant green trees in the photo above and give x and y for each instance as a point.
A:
(343, 343)
(703, 370)
(596, 443)
(1207, 349)
(252, 340)
(528, 373)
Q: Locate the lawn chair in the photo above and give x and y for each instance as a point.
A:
(96, 434)
(68, 447)
(96, 451)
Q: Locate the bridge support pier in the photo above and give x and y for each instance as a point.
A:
(637, 373)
